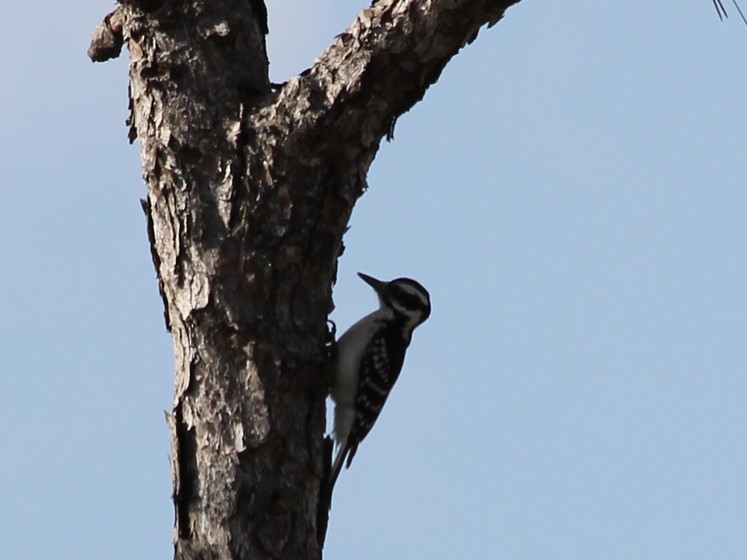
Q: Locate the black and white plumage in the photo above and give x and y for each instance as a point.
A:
(369, 359)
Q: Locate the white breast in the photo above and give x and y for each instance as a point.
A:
(350, 349)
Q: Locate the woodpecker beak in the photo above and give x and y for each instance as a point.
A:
(377, 285)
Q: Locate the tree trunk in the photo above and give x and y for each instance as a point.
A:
(250, 189)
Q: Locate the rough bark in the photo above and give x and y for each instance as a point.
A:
(250, 189)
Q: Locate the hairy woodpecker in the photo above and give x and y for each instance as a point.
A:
(369, 359)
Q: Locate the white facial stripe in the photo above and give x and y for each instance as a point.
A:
(405, 310)
(412, 291)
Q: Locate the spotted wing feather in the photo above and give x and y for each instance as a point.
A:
(381, 366)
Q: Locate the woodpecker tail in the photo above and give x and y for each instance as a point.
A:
(331, 472)
(335, 471)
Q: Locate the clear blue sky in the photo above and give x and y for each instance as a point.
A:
(573, 194)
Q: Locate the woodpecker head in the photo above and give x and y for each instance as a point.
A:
(403, 297)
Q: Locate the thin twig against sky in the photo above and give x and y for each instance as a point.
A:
(721, 11)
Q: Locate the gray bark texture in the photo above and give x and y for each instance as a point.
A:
(250, 189)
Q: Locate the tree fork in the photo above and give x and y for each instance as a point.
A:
(250, 191)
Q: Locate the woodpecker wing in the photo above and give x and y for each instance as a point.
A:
(380, 368)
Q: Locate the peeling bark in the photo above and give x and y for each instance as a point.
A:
(250, 191)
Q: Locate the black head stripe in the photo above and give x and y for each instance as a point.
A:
(410, 295)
